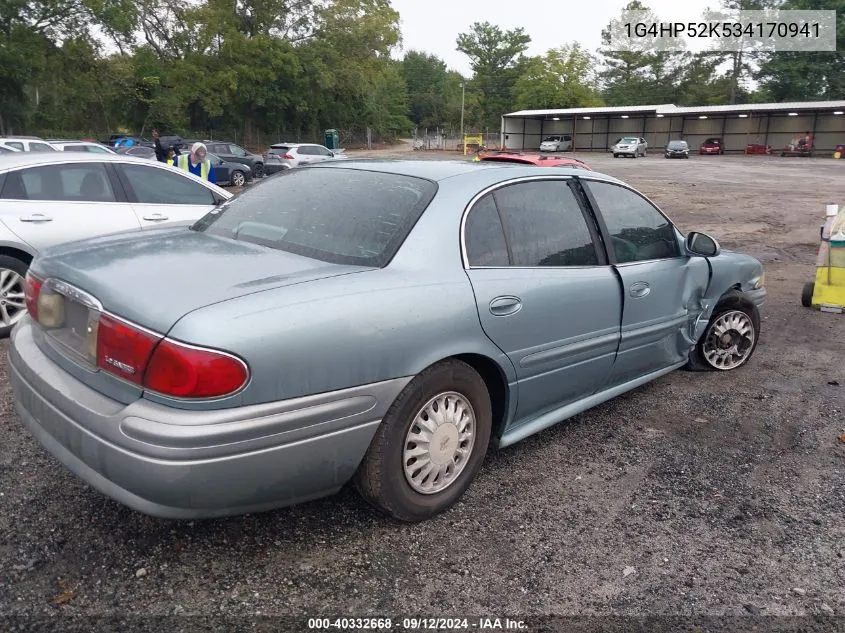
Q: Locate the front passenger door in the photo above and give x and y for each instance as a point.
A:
(545, 294)
(662, 287)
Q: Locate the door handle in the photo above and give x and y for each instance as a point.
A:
(36, 217)
(640, 289)
(504, 306)
(155, 217)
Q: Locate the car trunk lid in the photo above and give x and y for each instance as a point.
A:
(143, 278)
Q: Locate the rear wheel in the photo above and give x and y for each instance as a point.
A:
(12, 300)
(807, 294)
(616, 156)
(430, 444)
(730, 338)
(258, 170)
(238, 178)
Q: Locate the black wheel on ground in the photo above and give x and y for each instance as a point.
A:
(12, 300)
(430, 444)
(730, 338)
(807, 294)
(258, 170)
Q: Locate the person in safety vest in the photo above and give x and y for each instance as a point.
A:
(171, 156)
(197, 163)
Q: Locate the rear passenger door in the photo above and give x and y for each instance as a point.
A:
(662, 287)
(545, 293)
(163, 195)
(52, 204)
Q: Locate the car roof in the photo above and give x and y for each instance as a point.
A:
(439, 170)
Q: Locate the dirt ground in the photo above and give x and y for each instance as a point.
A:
(698, 494)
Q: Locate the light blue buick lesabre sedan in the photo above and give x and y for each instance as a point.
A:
(381, 322)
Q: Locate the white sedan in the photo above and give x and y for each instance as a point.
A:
(56, 197)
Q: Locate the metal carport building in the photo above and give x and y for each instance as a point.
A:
(596, 129)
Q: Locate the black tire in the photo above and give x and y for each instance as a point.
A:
(616, 156)
(258, 170)
(380, 479)
(733, 301)
(17, 266)
(237, 175)
(807, 294)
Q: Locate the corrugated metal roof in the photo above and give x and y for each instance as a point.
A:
(670, 109)
(599, 110)
(758, 107)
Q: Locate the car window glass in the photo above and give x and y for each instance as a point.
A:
(484, 237)
(41, 147)
(322, 151)
(85, 182)
(278, 149)
(15, 144)
(307, 150)
(544, 225)
(637, 229)
(162, 186)
(98, 150)
(335, 215)
(237, 151)
(75, 148)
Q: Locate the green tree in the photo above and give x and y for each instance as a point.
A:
(638, 74)
(796, 76)
(495, 56)
(562, 78)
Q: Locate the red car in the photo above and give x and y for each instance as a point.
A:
(712, 146)
(540, 160)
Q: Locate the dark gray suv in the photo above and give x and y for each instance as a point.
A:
(232, 153)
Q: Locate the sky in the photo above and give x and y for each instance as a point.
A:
(426, 27)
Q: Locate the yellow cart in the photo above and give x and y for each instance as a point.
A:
(827, 292)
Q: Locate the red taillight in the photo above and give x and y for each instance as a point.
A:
(31, 289)
(189, 372)
(123, 350)
(288, 157)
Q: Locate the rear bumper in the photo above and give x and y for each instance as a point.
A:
(193, 464)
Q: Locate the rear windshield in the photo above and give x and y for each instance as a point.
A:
(278, 149)
(711, 141)
(340, 216)
(630, 139)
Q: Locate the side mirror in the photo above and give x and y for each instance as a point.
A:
(702, 245)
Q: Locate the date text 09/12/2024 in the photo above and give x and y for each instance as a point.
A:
(417, 624)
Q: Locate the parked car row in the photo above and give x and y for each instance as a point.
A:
(634, 146)
(316, 356)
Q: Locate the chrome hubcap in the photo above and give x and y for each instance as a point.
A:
(439, 443)
(12, 299)
(729, 340)
(239, 180)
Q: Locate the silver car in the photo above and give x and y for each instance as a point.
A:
(632, 146)
(385, 325)
(558, 143)
(281, 156)
(47, 199)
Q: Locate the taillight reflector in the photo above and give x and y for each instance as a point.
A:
(32, 288)
(189, 372)
(288, 157)
(123, 350)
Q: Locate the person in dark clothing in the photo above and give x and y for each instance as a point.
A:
(161, 152)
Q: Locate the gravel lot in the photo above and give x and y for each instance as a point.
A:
(715, 494)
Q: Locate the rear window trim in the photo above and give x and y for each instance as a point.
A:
(339, 259)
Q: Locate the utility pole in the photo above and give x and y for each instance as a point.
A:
(463, 97)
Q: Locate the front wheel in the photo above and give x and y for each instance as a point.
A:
(730, 338)
(12, 299)
(430, 444)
